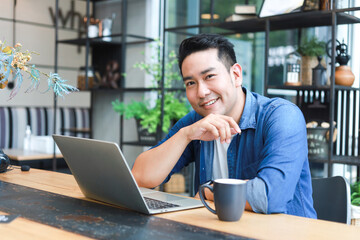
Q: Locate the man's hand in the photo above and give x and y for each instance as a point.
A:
(212, 127)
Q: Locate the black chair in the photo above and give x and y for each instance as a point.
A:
(332, 199)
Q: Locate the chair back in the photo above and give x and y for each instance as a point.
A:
(332, 199)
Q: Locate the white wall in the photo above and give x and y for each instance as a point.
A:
(35, 31)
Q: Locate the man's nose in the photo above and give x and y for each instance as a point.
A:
(203, 90)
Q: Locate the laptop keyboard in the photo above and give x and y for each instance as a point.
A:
(157, 204)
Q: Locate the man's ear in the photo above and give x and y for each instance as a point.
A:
(236, 72)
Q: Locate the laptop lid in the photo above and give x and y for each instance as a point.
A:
(102, 173)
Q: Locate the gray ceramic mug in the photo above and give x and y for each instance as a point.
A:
(229, 198)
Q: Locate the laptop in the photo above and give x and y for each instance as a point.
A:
(103, 174)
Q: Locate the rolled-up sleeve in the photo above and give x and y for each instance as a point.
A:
(256, 195)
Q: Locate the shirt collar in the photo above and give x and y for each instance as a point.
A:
(248, 119)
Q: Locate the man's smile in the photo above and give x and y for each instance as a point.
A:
(208, 103)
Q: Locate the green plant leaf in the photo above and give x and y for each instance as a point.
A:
(356, 201)
(174, 108)
(312, 47)
(355, 193)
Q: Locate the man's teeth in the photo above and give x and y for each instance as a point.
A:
(211, 102)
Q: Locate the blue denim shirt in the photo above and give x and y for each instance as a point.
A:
(272, 147)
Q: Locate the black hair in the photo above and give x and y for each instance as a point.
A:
(205, 41)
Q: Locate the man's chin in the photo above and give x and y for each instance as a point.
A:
(204, 113)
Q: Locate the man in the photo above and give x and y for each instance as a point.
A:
(233, 133)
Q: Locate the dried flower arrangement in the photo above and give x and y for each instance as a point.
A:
(15, 61)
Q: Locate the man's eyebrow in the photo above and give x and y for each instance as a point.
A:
(207, 70)
(187, 78)
(202, 72)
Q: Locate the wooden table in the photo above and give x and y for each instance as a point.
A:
(35, 159)
(28, 155)
(201, 223)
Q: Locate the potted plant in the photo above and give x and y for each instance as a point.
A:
(15, 62)
(148, 117)
(310, 50)
(355, 203)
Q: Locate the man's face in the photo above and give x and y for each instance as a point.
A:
(210, 87)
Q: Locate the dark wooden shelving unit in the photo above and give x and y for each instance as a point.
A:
(102, 50)
(299, 20)
(122, 90)
(98, 41)
(290, 21)
(310, 87)
(279, 22)
(92, 41)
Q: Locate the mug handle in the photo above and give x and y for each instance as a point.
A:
(202, 196)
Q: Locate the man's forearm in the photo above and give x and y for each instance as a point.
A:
(153, 166)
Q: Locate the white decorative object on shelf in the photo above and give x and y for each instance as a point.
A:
(27, 138)
(43, 144)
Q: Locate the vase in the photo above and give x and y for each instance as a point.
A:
(324, 4)
(344, 76)
(307, 64)
(144, 136)
(319, 74)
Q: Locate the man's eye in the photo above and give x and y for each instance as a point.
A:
(189, 83)
(210, 76)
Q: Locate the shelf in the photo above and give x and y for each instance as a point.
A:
(318, 160)
(93, 42)
(244, 26)
(339, 87)
(116, 40)
(121, 90)
(299, 88)
(289, 21)
(279, 22)
(310, 87)
(351, 160)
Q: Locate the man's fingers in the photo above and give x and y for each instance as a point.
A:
(225, 133)
(214, 130)
(233, 131)
(213, 127)
(229, 120)
(223, 127)
(233, 125)
(228, 134)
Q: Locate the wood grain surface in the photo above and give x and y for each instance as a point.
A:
(252, 225)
